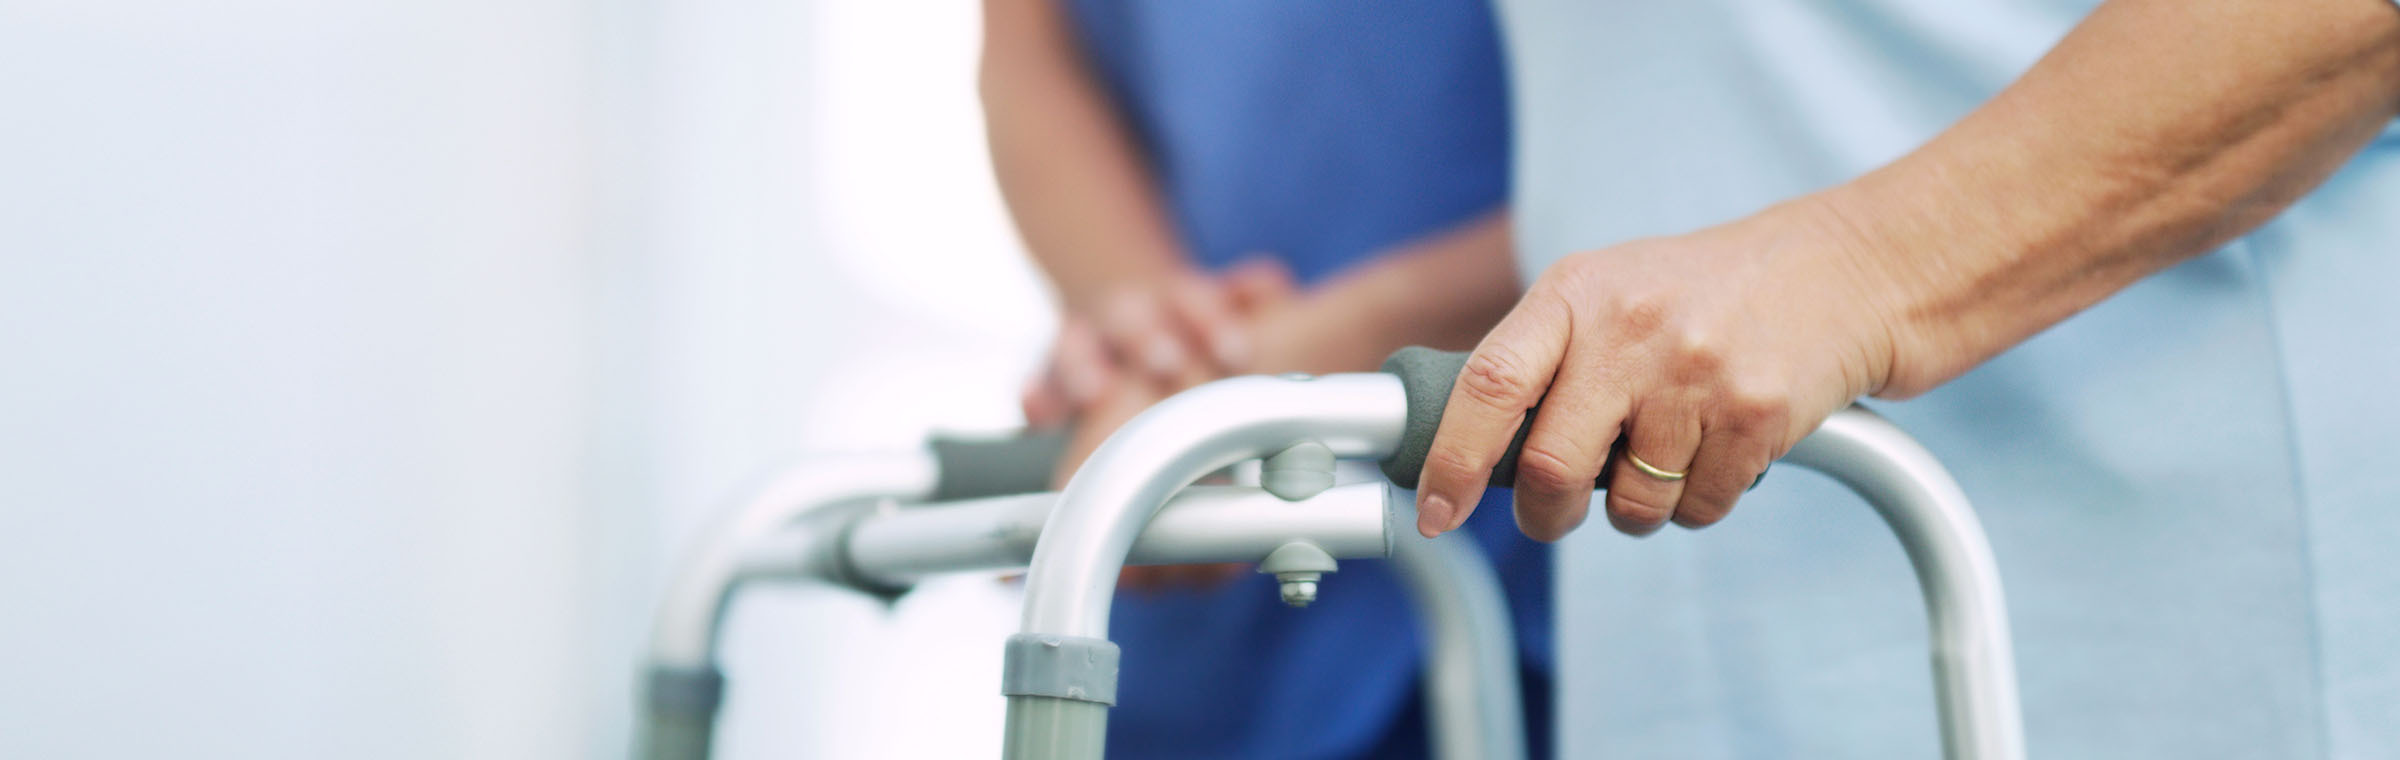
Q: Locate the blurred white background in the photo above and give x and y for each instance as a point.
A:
(363, 365)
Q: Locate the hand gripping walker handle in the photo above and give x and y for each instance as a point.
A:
(1426, 376)
(1974, 664)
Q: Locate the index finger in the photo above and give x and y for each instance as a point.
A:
(1505, 376)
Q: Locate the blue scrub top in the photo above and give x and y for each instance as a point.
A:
(2191, 489)
(1321, 134)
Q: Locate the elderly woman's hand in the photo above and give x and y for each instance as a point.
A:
(1710, 354)
(2120, 153)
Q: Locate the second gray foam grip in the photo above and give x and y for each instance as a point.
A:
(972, 468)
(1426, 377)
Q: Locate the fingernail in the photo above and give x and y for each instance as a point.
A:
(1632, 529)
(1432, 510)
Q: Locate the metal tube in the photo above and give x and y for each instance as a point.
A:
(1473, 699)
(685, 630)
(1074, 569)
(1049, 728)
(1973, 666)
(1113, 496)
(1201, 524)
(1081, 551)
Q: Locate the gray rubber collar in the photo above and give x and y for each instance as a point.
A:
(686, 691)
(1066, 667)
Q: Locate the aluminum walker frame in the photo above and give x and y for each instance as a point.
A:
(1133, 501)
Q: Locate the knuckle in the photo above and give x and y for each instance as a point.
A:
(1451, 461)
(1698, 357)
(1754, 412)
(1643, 314)
(1497, 376)
(1541, 465)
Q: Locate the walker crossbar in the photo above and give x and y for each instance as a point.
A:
(1380, 415)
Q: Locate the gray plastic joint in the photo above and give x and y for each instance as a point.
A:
(835, 565)
(1066, 667)
(1297, 566)
(1299, 472)
(685, 690)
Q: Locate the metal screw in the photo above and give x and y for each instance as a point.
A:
(1297, 566)
(1299, 593)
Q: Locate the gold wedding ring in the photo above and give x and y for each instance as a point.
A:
(1653, 470)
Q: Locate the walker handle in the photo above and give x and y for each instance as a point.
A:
(1426, 376)
(974, 468)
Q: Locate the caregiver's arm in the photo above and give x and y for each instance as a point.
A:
(1074, 182)
(1442, 291)
(2157, 130)
(1082, 198)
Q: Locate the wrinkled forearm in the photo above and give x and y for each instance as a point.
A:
(2156, 131)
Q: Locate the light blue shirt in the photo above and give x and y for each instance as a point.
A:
(2193, 489)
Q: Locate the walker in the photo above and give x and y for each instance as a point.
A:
(979, 506)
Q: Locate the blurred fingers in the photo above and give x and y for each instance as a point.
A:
(1141, 335)
(1204, 312)
(1081, 368)
(1257, 282)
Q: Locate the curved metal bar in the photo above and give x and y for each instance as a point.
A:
(1974, 667)
(684, 633)
(1117, 491)
(1121, 486)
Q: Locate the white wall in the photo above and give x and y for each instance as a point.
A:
(842, 276)
(362, 365)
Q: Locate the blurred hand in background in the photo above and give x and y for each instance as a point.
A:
(1143, 314)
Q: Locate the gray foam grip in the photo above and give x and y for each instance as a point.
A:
(681, 714)
(973, 468)
(1426, 376)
